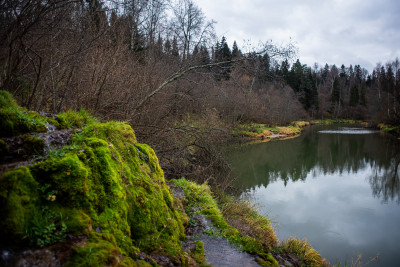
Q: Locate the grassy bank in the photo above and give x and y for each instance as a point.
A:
(395, 130)
(242, 225)
(257, 132)
(262, 132)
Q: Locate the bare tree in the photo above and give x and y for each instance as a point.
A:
(190, 26)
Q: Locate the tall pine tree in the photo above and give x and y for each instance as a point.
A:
(223, 54)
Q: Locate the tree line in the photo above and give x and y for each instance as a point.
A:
(346, 92)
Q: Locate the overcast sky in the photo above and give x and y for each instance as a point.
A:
(337, 32)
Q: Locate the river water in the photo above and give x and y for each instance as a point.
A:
(336, 186)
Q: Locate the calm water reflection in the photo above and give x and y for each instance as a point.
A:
(338, 187)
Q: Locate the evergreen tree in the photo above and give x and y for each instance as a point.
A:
(223, 54)
(300, 78)
(285, 69)
(204, 56)
(159, 46)
(354, 96)
(325, 72)
(264, 72)
(390, 80)
(175, 49)
(295, 76)
(358, 74)
(363, 89)
(351, 71)
(195, 53)
(309, 91)
(235, 50)
(336, 96)
(167, 47)
(343, 73)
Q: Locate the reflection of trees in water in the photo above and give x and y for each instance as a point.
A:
(294, 160)
(385, 182)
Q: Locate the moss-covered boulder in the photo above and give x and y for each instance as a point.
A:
(15, 120)
(103, 185)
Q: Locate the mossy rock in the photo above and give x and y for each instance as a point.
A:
(4, 150)
(71, 119)
(15, 120)
(19, 198)
(103, 185)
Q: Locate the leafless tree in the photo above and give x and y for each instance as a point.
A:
(190, 26)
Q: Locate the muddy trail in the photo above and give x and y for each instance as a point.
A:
(218, 251)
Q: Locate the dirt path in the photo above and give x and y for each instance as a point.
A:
(217, 250)
(220, 253)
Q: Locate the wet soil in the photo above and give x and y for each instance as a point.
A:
(217, 250)
(21, 154)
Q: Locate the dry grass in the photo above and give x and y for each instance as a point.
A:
(289, 130)
(243, 216)
(304, 250)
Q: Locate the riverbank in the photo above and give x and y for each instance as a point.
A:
(255, 132)
(78, 192)
(391, 129)
(259, 133)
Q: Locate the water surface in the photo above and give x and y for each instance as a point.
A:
(336, 186)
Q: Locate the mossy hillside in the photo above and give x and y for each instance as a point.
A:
(103, 185)
(15, 120)
(199, 198)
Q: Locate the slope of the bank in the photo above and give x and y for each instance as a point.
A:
(77, 192)
(96, 190)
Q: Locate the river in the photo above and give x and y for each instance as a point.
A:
(337, 186)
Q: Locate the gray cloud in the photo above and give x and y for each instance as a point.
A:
(331, 31)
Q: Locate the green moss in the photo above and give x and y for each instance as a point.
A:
(267, 260)
(68, 176)
(198, 253)
(18, 202)
(6, 100)
(103, 185)
(3, 149)
(107, 186)
(73, 119)
(96, 253)
(76, 220)
(32, 145)
(15, 120)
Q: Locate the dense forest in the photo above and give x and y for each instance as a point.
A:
(159, 65)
